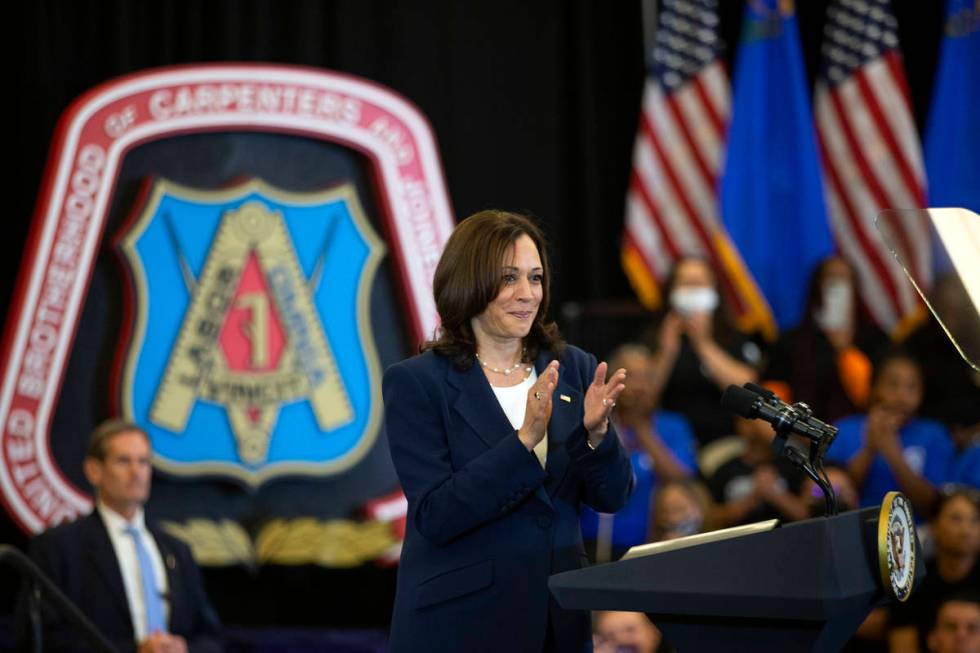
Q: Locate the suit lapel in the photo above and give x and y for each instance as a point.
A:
(477, 404)
(170, 569)
(103, 557)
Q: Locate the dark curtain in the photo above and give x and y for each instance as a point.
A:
(533, 103)
(534, 106)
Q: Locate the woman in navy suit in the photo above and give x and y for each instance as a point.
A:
(499, 433)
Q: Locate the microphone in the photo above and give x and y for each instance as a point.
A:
(755, 402)
(783, 418)
(773, 399)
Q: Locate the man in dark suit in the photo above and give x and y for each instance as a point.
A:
(138, 585)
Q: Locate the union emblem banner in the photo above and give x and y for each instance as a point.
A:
(228, 256)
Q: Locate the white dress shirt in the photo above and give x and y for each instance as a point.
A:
(129, 564)
(514, 402)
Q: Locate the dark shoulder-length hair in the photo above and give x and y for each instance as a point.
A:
(470, 275)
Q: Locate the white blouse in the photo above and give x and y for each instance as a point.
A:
(513, 400)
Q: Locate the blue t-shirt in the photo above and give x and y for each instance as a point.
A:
(968, 467)
(926, 445)
(631, 523)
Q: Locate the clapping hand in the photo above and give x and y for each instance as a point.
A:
(538, 410)
(600, 399)
(881, 430)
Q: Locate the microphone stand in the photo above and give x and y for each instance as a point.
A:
(812, 464)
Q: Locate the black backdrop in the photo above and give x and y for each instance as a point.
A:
(533, 104)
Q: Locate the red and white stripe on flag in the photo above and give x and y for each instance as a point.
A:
(672, 206)
(871, 156)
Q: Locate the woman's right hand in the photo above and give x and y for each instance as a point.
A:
(538, 410)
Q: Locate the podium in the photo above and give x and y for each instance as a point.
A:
(805, 586)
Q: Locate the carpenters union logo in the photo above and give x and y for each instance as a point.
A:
(251, 352)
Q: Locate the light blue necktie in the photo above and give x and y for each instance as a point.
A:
(151, 593)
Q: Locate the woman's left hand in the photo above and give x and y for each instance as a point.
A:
(600, 399)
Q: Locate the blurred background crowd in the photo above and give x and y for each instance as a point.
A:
(908, 414)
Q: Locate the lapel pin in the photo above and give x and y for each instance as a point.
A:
(171, 561)
(565, 398)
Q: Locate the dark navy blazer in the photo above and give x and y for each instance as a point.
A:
(79, 558)
(486, 524)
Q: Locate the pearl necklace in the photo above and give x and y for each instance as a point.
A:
(507, 370)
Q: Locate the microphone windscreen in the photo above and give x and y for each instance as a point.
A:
(739, 401)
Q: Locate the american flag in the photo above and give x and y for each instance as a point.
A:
(672, 202)
(871, 156)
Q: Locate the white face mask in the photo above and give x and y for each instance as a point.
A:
(687, 301)
(835, 310)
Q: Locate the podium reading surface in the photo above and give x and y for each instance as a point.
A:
(805, 586)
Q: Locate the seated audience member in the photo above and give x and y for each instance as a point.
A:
(826, 360)
(952, 388)
(953, 568)
(889, 448)
(680, 508)
(957, 627)
(138, 585)
(697, 351)
(661, 447)
(757, 485)
(626, 632)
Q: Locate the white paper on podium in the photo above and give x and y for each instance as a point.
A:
(642, 550)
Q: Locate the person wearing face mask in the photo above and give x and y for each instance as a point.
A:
(499, 433)
(681, 508)
(697, 352)
(826, 360)
(890, 447)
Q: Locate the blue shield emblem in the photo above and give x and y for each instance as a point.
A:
(251, 352)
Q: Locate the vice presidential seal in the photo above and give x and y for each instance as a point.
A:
(896, 545)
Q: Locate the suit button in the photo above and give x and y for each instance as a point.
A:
(544, 522)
